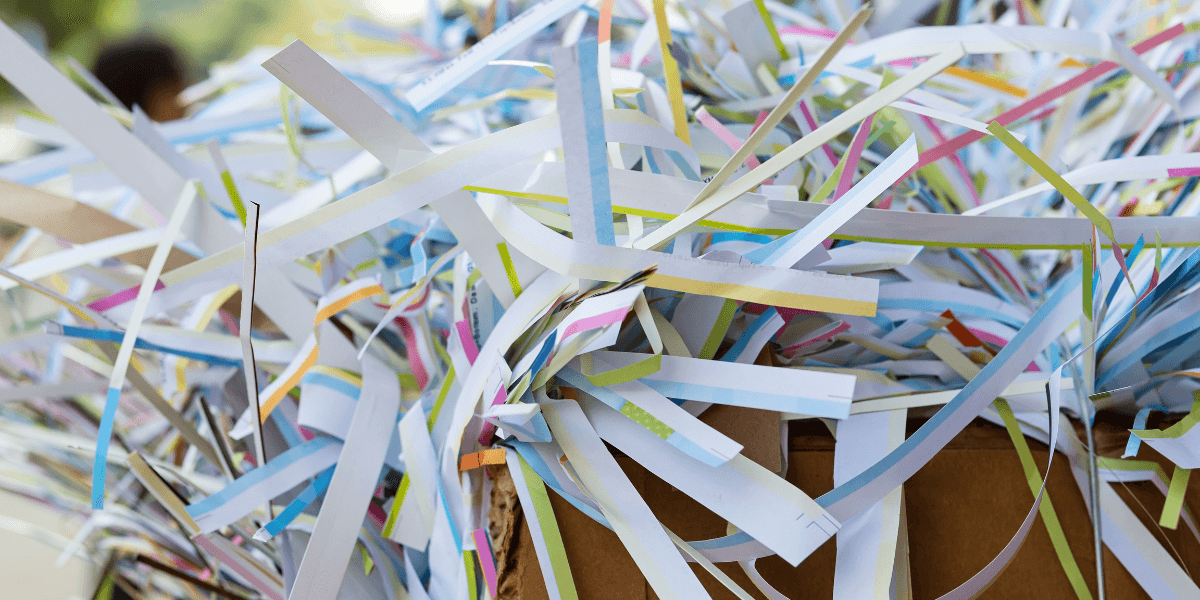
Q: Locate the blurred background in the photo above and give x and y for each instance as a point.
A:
(204, 32)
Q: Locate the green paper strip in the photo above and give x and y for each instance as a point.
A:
(550, 532)
(1088, 269)
(513, 281)
(1174, 503)
(442, 393)
(1157, 252)
(628, 373)
(717, 335)
(826, 188)
(1178, 429)
(1049, 517)
(408, 380)
(473, 278)
(288, 129)
(395, 510)
(368, 562)
(1060, 184)
(885, 127)
(770, 23)
(234, 196)
(472, 586)
(647, 420)
(663, 216)
(106, 589)
(1128, 464)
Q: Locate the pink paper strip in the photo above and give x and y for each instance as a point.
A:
(489, 429)
(1004, 271)
(484, 545)
(820, 32)
(1120, 256)
(790, 313)
(812, 125)
(758, 121)
(1150, 288)
(943, 150)
(852, 156)
(414, 356)
(596, 322)
(377, 516)
(724, 135)
(120, 297)
(954, 159)
(230, 322)
(823, 334)
(468, 342)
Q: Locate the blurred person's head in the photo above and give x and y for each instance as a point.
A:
(145, 71)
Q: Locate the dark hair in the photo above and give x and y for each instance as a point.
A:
(133, 68)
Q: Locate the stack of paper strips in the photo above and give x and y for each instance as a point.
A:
(439, 323)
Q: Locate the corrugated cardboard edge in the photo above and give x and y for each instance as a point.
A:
(506, 516)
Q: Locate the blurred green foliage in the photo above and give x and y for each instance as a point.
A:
(59, 20)
(205, 31)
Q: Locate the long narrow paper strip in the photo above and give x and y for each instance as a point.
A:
(324, 564)
(259, 486)
(578, 94)
(121, 362)
(547, 540)
(867, 543)
(632, 520)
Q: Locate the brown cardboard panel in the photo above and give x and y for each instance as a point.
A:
(967, 502)
(524, 581)
(600, 565)
(73, 221)
(692, 521)
(962, 508)
(756, 430)
(812, 471)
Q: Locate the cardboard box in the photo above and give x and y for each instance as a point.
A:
(961, 509)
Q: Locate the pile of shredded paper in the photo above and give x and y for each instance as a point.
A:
(281, 348)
